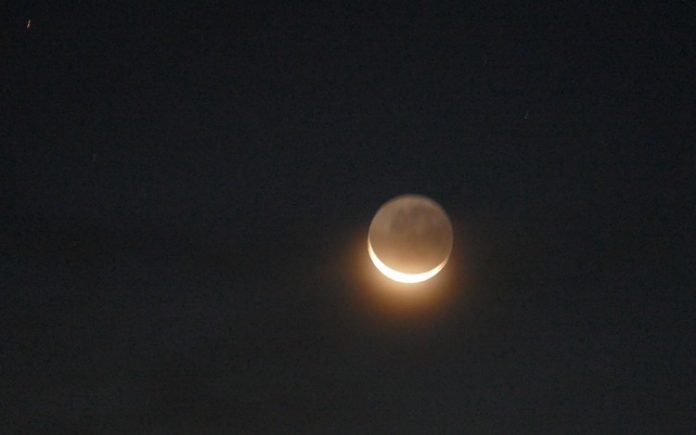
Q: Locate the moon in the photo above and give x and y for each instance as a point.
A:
(410, 239)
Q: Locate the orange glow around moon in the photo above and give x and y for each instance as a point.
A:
(406, 278)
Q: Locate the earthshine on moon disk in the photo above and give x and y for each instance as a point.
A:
(410, 239)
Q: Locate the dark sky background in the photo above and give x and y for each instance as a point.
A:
(185, 187)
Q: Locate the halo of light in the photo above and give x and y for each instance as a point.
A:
(406, 278)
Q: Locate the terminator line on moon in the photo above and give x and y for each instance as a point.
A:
(410, 239)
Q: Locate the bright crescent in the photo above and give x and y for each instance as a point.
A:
(407, 278)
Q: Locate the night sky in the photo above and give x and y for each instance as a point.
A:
(188, 190)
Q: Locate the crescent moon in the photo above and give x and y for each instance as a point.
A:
(406, 278)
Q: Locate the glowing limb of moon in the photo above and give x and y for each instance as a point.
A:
(407, 278)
